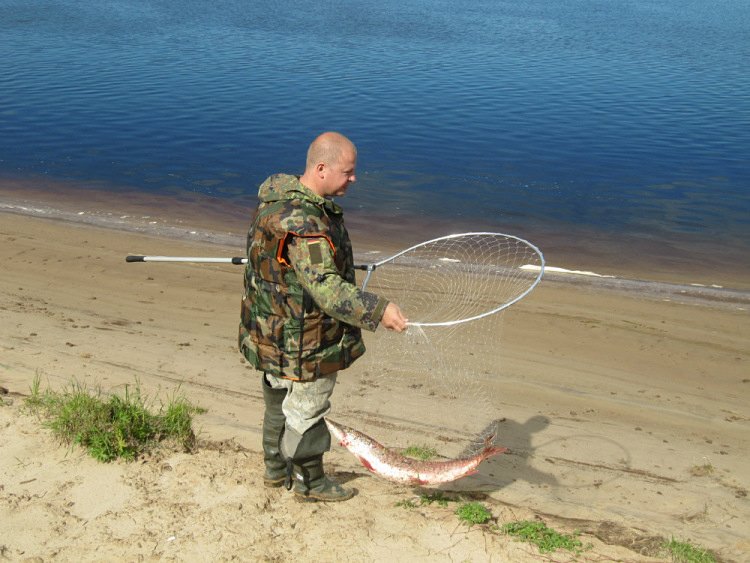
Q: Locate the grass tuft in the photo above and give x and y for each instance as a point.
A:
(113, 426)
(473, 513)
(546, 539)
(438, 497)
(406, 503)
(685, 552)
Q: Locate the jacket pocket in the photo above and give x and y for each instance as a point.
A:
(303, 335)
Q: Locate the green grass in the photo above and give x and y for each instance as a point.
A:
(406, 503)
(473, 513)
(113, 426)
(421, 452)
(438, 497)
(684, 552)
(546, 539)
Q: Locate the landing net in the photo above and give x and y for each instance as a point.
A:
(440, 384)
(458, 278)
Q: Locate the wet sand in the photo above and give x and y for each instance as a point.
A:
(625, 412)
(682, 259)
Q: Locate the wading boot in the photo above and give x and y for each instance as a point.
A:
(310, 481)
(312, 485)
(273, 427)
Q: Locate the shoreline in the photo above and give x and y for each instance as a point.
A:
(209, 220)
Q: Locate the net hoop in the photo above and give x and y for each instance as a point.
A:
(505, 305)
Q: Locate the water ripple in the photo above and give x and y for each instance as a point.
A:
(568, 111)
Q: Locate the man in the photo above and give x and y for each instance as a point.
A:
(302, 313)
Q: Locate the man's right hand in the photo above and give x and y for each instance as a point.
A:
(393, 318)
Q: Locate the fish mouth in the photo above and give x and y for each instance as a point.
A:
(334, 429)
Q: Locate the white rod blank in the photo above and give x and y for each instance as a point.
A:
(234, 260)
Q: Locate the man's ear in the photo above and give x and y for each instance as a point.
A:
(320, 168)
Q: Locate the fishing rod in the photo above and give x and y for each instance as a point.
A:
(236, 260)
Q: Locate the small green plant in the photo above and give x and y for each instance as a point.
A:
(178, 420)
(437, 497)
(473, 513)
(421, 452)
(35, 397)
(684, 552)
(406, 503)
(546, 539)
(112, 427)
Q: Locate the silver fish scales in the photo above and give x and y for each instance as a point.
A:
(395, 467)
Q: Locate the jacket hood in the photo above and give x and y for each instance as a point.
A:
(285, 187)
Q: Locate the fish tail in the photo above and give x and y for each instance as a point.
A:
(490, 449)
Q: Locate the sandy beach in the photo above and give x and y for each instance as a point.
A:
(613, 403)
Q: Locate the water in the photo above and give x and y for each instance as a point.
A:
(611, 131)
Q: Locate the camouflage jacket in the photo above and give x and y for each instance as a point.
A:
(302, 311)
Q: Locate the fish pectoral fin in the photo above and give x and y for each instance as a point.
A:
(366, 463)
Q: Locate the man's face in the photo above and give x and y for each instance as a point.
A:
(340, 174)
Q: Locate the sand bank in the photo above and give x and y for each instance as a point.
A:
(610, 401)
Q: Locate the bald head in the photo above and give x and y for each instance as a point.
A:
(331, 164)
(328, 148)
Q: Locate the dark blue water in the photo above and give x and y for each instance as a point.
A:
(626, 118)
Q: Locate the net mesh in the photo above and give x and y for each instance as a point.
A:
(459, 278)
(437, 384)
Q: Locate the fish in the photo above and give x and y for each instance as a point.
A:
(393, 466)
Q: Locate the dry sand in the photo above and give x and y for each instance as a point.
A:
(610, 400)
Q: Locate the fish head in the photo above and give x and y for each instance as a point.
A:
(337, 432)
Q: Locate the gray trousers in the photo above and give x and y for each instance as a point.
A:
(305, 405)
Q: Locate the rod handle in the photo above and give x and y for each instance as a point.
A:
(135, 259)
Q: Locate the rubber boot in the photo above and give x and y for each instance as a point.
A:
(312, 485)
(310, 481)
(273, 427)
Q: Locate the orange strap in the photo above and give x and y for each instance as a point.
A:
(281, 256)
